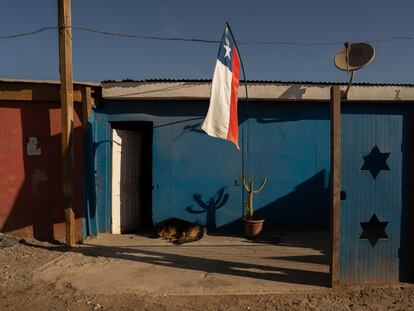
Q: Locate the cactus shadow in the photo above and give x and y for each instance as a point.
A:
(210, 206)
(305, 210)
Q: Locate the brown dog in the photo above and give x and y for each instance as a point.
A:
(178, 231)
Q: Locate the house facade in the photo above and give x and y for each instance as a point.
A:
(285, 137)
(141, 157)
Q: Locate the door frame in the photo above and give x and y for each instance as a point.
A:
(335, 182)
(408, 199)
(146, 130)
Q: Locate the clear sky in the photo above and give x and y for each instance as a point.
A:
(97, 57)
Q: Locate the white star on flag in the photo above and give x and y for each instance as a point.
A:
(227, 48)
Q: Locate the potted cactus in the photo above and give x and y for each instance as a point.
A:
(252, 227)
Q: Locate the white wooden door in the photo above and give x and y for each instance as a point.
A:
(126, 176)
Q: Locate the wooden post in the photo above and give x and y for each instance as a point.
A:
(86, 104)
(66, 99)
(335, 182)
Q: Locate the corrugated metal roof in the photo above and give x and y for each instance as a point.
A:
(261, 82)
(156, 89)
(11, 80)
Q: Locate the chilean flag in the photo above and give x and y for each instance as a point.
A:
(221, 120)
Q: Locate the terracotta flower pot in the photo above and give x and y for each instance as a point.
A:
(253, 227)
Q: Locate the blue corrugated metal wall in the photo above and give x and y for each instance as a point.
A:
(103, 156)
(288, 143)
(380, 193)
(89, 221)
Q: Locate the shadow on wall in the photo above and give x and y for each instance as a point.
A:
(305, 208)
(91, 223)
(294, 92)
(33, 204)
(407, 215)
(210, 206)
(195, 128)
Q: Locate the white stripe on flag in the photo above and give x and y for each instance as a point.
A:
(217, 120)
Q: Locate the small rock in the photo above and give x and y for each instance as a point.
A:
(7, 241)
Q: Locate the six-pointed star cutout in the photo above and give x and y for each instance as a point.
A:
(373, 230)
(375, 161)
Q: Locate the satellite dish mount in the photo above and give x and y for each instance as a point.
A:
(351, 57)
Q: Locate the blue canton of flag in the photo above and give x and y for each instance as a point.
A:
(226, 49)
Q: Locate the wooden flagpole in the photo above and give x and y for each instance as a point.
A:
(66, 99)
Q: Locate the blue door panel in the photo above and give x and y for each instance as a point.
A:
(371, 178)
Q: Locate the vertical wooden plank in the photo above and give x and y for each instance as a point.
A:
(66, 98)
(86, 104)
(335, 182)
(116, 181)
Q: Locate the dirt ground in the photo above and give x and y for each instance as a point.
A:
(21, 288)
(214, 265)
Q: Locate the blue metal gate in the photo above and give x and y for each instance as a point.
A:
(371, 183)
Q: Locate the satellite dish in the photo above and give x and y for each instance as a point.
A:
(353, 56)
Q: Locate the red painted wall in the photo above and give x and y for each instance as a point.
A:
(31, 188)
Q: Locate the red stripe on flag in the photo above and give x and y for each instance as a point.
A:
(233, 132)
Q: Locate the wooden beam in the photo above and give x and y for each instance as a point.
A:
(36, 92)
(335, 182)
(86, 104)
(66, 96)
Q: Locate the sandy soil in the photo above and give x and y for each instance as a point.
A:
(215, 265)
(20, 291)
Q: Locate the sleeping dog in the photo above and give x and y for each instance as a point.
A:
(178, 231)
